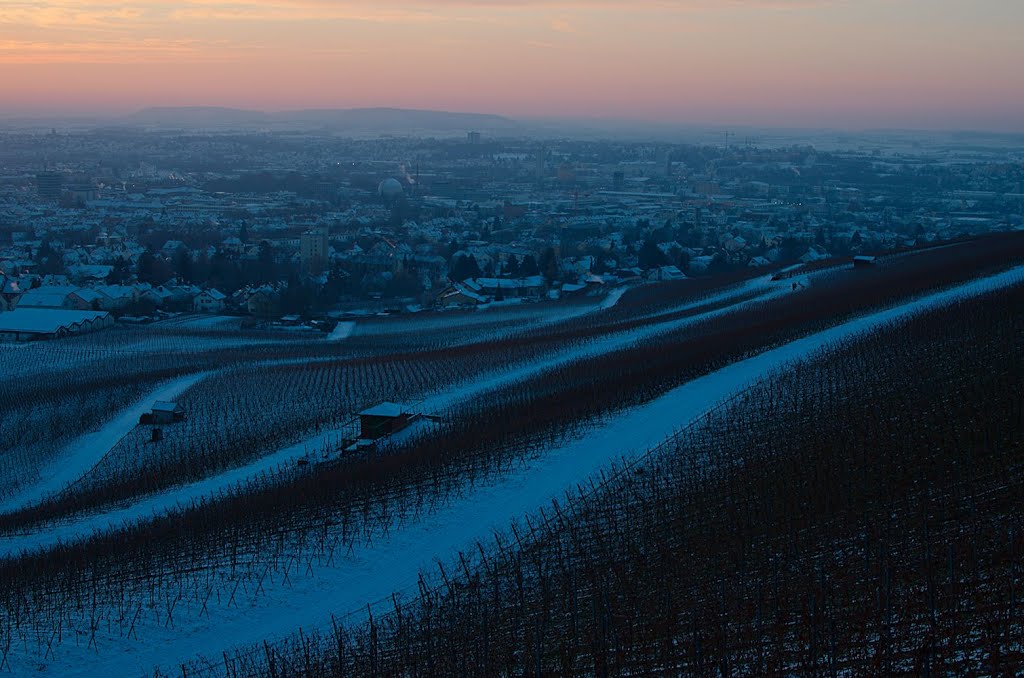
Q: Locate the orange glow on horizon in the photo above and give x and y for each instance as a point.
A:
(914, 63)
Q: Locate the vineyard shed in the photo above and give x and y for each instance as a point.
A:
(381, 420)
(166, 412)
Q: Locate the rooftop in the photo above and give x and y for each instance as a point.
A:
(45, 320)
(165, 406)
(385, 409)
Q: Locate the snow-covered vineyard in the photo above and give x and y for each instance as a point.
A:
(186, 498)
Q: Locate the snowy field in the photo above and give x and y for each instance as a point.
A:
(724, 301)
(172, 499)
(83, 454)
(493, 320)
(371, 573)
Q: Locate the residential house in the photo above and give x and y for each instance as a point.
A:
(209, 301)
(263, 301)
(666, 273)
(86, 299)
(466, 293)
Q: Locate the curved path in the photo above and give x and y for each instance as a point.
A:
(81, 455)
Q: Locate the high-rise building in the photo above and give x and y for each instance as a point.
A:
(49, 185)
(473, 138)
(313, 246)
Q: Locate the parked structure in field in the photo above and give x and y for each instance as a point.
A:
(164, 412)
(375, 424)
(382, 420)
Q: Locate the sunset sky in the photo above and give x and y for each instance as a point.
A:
(820, 63)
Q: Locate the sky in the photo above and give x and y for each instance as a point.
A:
(855, 64)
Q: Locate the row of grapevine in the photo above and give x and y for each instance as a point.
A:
(858, 514)
(300, 519)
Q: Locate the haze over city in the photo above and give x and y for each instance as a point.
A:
(914, 64)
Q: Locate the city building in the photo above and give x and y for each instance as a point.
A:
(49, 185)
(313, 252)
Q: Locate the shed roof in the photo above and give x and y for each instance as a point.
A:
(166, 406)
(385, 409)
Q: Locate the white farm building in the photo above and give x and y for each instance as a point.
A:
(29, 324)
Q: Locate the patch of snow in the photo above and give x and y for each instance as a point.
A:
(203, 322)
(84, 453)
(167, 501)
(343, 330)
(172, 499)
(612, 298)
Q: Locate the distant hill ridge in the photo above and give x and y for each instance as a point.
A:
(357, 118)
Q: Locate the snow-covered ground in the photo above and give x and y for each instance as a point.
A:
(174, 498)
(369, 574)
(437, 402)
(612, 299)
(164, 502)
(343, 330)
(85, 452)
(609, 300)
(202, 322)
(515, 314)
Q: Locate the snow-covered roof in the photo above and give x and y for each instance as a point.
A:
(510, 283)
(10, 286)
(45, 320)
(466, 291)
(165, 406)
(89, 295)
(385, 409)
(498, 283)
(90, 270)
(116, 291)
(52, 297)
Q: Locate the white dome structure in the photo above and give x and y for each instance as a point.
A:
(391, 189)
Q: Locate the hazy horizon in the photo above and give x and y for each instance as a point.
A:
(739, 131)
(814, 64)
